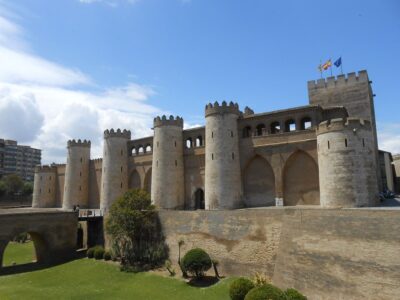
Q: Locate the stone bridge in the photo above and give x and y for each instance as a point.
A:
(53, 231)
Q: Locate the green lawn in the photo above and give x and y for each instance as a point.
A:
(20, 253)
(90, 279)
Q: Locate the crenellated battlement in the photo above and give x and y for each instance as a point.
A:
(78, 143)
(224, 108)
(168, 121)
(340, 80)
(46, 169)
(341, 124)
(117, 133)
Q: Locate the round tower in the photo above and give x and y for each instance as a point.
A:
(114, 179)
(167, 179)
(44, 187)
(346, 159)
(222, 174)
(76, 185)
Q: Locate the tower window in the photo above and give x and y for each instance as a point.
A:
(49, 191)
(175, 144)
(345, 142)
(231, 133)
(40, 191)
(80, 188)
(80, 174)
(212, 134)
(233, 156)
(363, 143)
(212, 156)
(176, 163)
(81, 159)
(328, 145)
(121, 185)
(121, 169)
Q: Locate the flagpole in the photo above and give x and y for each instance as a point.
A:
(331, 66)
(320, 67)
(341, 64)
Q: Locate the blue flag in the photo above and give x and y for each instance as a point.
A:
(338, 62)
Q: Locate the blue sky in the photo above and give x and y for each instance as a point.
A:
(87, 65)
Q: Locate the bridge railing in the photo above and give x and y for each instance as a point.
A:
(90, 213)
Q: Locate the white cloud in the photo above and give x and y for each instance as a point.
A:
(389, 137)
(41, 102)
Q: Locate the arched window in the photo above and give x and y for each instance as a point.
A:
(199, 199)
(189, 143)
(306, 123)
(275, 127)
(140, 149)
(199, 141)
(290, 125)
(246, 132)
(134, 151)
(148, 148)
(260, 129)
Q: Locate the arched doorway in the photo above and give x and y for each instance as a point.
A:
(199, 202)
(22, 249)
(134, 180)
(259, 183)
(301, 182)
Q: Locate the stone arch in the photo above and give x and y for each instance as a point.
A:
(259, 183)
(260, 129)
(39, 243)
(148, 148)
(134, 180)
(300, 180)
(246, 132)
(306, 123)
(147, 181)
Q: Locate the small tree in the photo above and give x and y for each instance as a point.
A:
(134, 226)
(196, 262)
(215, 264)
(13, 184)
(27, 188)
(181, 242)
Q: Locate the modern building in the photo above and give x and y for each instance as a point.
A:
(18, 159)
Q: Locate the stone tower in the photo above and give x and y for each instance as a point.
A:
(114, 179)
(76, 186)
(222, 171)
(352, 91)
(346, 159)
(44, 187)
(167, 181)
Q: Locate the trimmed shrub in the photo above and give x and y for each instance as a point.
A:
(99, 252)
(239, 288)
(107, 255)
(292, 294)
(90, 252)
(196, 262)
(267, 291)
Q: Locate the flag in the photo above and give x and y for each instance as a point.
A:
(327, 65)
(338, 62)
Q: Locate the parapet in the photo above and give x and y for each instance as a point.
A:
(224, 108)
(78, 143)
(248, 111)
(171, 121)
(46, 169)
(117, 133)
(340, 80)
(342, 124)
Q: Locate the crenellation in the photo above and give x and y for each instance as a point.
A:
(168, 121)
(340, 80)
(117, 133)
(78, 143)
(224, 108)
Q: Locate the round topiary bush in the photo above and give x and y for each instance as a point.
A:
(107, 255)
(196, 262)
(239, 288)
(99, 253)
(267, 291)
(90, 252)
(292, 294)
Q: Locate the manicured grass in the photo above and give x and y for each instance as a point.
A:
(20, 253)
(90, 279)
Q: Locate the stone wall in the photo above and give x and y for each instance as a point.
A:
(326, 254)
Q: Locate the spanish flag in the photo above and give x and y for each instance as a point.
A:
(327, 65)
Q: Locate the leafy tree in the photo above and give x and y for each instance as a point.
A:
(13, 183)
(135, 229)
(27, 189)
(3, 188)
(196, 262)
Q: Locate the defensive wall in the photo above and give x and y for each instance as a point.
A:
(325, 253)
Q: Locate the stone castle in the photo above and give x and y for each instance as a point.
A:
(324, 153)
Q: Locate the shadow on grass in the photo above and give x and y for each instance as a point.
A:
(205, 281)
(35, 266)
